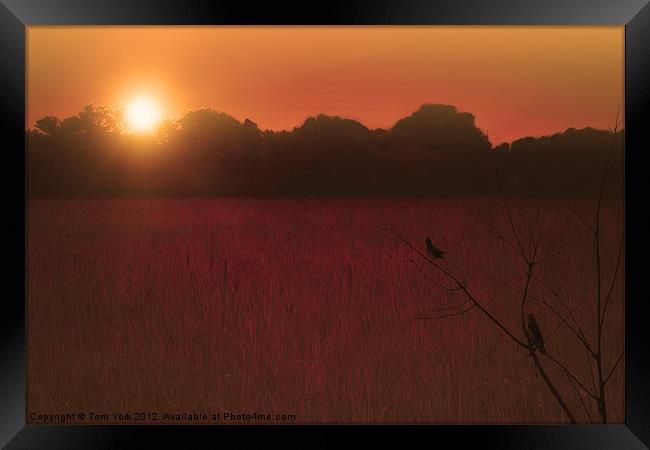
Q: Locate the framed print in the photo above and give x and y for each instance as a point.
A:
(387, 222)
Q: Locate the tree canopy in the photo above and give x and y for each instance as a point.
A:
(435, 151)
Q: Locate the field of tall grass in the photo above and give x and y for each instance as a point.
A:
(302, 307)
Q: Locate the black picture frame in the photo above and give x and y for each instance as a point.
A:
(15, 15)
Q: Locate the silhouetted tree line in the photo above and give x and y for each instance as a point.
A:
(436, 151)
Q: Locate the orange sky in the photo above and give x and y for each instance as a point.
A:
(517, 81)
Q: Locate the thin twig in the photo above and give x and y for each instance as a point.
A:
(553, 333)
(446, 308)
(426, 275)
(582, 400)
(551, 387)
(531, 349)
(548, 258)
(443, 316)
(562, 319)
(573, 377)
(563, 302)
(584, 222)
(463, 288)
(614, 276)
(577, 332)
(533, 228)
(611, 372)
(507, 207)
(602, 399)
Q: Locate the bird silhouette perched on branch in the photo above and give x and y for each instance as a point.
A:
(434, 251)
(535, 334)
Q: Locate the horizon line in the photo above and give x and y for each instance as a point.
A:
(176, 118)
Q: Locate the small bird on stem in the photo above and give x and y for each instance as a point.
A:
(434, 251)
(535, 334)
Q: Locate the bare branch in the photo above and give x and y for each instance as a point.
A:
(458, 283)
(443, 316)
(568, 373)
(611, 372)
(498, 280)
(582, 400)
(533, 227)
(547, 258)
(614, 276)
(602, 399)
(516, 261)
(607, 164)
(577, 332)
(426, 275)
(510, 244)
(552, 333)
(476, 304)
(592, 375)
(563, 302)
(446, 308)
(563, 321)
(524, 295)
(508, 213)
(551, 386)
(584, 222)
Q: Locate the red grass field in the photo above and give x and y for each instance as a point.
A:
(300, 307)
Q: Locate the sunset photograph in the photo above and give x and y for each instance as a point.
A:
(325, 224)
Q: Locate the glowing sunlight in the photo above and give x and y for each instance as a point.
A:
(142, 114)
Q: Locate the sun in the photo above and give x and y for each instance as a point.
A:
(142, 114)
